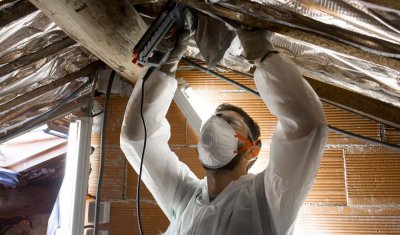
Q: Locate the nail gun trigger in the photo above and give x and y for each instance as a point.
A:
(135, 56)
(171, 32)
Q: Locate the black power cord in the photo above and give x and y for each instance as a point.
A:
(139, 217)
(101, 163)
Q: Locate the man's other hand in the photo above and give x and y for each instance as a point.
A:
(256, 43)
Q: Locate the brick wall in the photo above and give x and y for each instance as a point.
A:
(357, 190)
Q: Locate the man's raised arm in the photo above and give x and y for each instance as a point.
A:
(165, 176)
(301, 132)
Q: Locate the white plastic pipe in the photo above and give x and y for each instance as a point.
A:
(72, 195)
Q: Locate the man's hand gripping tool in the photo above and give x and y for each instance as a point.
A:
(167, 26)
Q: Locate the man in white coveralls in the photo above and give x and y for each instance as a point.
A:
(229, 201)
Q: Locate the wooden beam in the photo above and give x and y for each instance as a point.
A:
(16, 11)
(59, 82)
(362, 105)
(109, 29)
(30, 58)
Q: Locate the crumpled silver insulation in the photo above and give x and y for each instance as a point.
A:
(351, 73)
(341, 70)
(25, 112)
(370, 27)
(356, 16)
(44, 71)
(29, 35)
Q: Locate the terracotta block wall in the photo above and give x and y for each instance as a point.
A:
(357, 190)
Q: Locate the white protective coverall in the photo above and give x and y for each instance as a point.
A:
(266, 203)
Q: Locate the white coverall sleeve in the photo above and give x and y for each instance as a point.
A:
(298, 142)
(164, 175)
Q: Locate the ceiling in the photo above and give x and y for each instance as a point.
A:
(348, 50)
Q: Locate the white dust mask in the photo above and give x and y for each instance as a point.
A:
(218, 143)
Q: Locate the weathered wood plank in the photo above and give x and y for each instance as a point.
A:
(109, 29)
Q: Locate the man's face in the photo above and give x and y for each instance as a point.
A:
(241, 132)
(235, 120)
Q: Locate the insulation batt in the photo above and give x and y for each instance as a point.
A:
(266, 203)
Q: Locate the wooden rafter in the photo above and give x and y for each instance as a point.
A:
(109, 29)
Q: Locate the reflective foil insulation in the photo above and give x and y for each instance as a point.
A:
(23, 37)
(372, 28)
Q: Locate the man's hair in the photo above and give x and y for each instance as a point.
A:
(253, 128)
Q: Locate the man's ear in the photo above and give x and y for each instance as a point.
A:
(252, 153)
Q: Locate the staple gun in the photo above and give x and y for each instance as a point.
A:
(167, 26)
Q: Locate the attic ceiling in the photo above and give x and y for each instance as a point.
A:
(348, 50)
